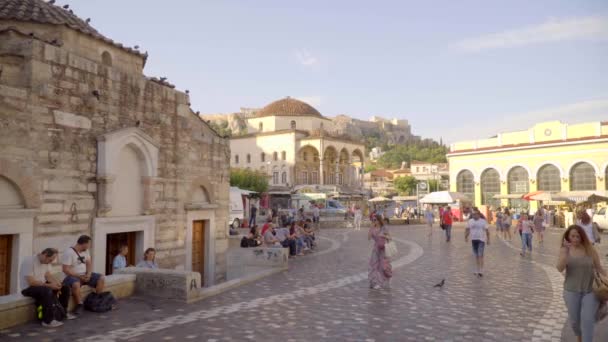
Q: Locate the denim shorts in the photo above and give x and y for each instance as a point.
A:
(69, 280)
(478, 247)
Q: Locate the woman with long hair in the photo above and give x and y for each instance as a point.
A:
(580, 261)
(506, 224)
(380, 269)
(149, 259)
(539, 225)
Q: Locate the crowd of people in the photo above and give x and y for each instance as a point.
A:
(52, 295)
(298, 235)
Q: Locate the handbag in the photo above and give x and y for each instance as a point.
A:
(381, 243)
(390, 249)
(602, 312)
(387, 269)
(600, 286)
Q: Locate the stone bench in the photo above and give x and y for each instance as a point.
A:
(165, 283)
(244, 261)
(16, 309)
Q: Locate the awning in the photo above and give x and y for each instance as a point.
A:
(444, 197)
(380, 199)
(594, 196)
(405, 198)
(508, 196)
(279, 193)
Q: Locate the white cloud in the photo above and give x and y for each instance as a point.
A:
(553, 30)
(305, 58)
(314, 101)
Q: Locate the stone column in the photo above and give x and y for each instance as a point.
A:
(477, 194)
(321, 172)
(504, 190)
(337, 171)
(104, 194)
(600, 183)
(533, 187)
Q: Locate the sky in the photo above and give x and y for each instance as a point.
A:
(457, 70)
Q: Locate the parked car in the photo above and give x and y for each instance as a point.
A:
(334, 207)
(236, 207)
(601, 219)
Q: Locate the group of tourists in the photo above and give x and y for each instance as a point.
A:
(446, 220)
(52, 294)
(297, 235)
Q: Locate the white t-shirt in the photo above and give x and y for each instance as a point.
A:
(315, 211)
(70, 258)
(478, 229)
(31, 266)
(588, 228)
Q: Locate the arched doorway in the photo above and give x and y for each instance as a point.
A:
(465, 184)
(582, 177)
(307, 165)
(330, 163)
(490, 186)
(549, 179)
(10, 198)
(518, 183)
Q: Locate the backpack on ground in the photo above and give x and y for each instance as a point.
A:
(100, 302)
(56, 311)
(244, 242)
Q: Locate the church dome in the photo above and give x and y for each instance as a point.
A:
(288, 107)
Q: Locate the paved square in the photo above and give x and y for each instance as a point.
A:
(325, 297)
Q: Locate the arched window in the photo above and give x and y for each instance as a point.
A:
(465, 184)
(293, 124)
(10, 196)
(490, 186)
(236, 158)
(284, 177)
(106, 58)
(248, 158)
(283, 155)
(548, 178)
(261, 127)
(275, 156)
(518, 183)
(582, 177)
(263, 157)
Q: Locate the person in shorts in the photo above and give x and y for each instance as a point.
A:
(78, 269)
(477, 229)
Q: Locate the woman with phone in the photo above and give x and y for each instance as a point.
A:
(580, 261)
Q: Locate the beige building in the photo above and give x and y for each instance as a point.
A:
(549, 156)
(429, 171)
(90, 145)
(293, 143)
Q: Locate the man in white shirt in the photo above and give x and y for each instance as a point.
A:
(38, 282)
(477, 228)
(315, 213)
(78, 271)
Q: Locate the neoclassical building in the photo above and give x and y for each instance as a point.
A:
(293, 144)
(549, 156)
(90, 145)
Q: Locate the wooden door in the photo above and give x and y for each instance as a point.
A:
(113, 243)
(6, 242)
(198, 247)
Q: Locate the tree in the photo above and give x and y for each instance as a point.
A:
(370, 168)
(433, 185)
(421, 151)
(405, 185)
(249, 180)
(221, 128)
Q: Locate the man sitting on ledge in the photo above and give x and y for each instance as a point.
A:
(38, 282)
(78, 271)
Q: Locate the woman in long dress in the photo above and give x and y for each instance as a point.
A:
(380, 269)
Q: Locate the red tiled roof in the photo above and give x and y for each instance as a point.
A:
(288, 107)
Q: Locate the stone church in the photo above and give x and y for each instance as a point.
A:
(90, 145)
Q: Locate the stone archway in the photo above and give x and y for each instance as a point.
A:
(23, 180)
(330, 165)
(307, 166)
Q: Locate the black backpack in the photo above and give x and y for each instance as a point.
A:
(99, 302)
(244, 242)
(56, 311)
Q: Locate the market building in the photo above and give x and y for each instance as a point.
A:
(549, 156)
(296, 147)
(90, 145)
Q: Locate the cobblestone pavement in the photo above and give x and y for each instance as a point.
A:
(325, 297)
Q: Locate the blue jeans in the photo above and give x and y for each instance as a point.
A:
(526, 242)
(581, 312)
(448, 232)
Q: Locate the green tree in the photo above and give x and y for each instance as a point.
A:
(421, 151)
(221, 127)
(405, 185)
(370, 168)
(249, 180)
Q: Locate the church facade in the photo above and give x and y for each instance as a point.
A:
(90, 145)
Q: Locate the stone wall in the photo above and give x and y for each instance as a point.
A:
(55, 101)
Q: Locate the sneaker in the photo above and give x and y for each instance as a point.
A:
(53, 324)
(376, 287)
(78, 310)
(71, 316)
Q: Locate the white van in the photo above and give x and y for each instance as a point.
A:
(601, 218)
(237, 212)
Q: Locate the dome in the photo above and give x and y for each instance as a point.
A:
(288, 107)
(42, 12)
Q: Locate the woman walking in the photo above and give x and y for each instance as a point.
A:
(498, 221)
(527, 229)
(358, 216)
(428, 215)
(380, 269)
(506, 224)
(539, 225)
(580, 261)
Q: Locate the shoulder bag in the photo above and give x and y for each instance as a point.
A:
(600, 286)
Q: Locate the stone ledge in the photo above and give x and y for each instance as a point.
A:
(164, 283)
(16, 309)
